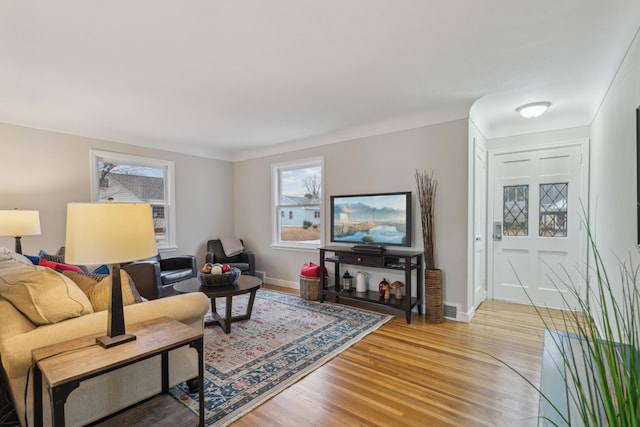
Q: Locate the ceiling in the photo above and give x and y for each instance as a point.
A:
(241, 78)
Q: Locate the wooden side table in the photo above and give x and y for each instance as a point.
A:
(65, 365)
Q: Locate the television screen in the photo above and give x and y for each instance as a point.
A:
(372, 219)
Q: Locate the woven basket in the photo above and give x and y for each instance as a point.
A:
(225, 279)
(310, 288)
(433, 292)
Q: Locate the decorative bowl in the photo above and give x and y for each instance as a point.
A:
(223, 279)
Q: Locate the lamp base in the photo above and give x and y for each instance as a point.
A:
(107, 341)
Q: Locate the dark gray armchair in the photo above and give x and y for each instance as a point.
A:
(245, 261)
(154, 277)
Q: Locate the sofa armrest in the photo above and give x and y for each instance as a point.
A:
(146, 278)
(250, 258)
(16, 351)
(180, 263)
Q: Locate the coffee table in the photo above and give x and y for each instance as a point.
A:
(244, 285)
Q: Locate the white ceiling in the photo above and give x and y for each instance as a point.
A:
(239, 78)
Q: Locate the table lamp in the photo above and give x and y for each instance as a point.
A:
(110, 233)
(18, 223)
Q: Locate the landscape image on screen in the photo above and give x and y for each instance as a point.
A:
(370, 219)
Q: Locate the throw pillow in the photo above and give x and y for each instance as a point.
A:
(43, 295)
(35, 259)
(6, 254)
(59, 266)
(97, 287)
(59, 258)
(49, 257)
(103, 269)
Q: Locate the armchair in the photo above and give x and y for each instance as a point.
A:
(154, 277)
(245, 261)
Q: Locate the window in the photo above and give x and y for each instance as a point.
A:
(553, 210)
(515, 210)
(297, 189)
(127, 178)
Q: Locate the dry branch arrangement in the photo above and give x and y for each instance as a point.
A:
(426, 187)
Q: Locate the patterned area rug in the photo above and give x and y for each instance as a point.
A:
(285, 339)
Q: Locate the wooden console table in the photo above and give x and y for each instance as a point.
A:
(406, 261)
(65, 365)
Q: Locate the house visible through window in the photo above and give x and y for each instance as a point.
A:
(134, 179)
(298, 192)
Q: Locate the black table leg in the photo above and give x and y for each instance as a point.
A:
(37, 396)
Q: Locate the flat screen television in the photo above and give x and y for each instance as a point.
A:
(372, 220)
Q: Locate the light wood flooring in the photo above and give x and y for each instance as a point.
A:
(422, 374)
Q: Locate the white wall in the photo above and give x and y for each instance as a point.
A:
(46, 170)
(613, 166)
(373, 164)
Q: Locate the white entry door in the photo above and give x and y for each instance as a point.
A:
(537, 225)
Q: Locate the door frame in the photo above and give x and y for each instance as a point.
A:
(584, 197)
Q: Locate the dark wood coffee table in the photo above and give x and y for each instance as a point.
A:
(244, 285)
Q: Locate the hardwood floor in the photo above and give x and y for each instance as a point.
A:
(422, 374)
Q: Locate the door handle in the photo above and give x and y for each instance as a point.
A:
(497, 231)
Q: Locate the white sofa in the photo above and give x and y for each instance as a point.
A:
(105, 394)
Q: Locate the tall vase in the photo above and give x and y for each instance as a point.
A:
(433, 292)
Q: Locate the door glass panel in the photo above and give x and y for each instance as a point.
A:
(515, 210)
(553, 209)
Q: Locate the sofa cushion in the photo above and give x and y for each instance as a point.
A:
(42, 294)
(97, 287)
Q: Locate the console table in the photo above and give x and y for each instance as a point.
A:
(65, 365)
(406, 261)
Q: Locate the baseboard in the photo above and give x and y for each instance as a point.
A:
(283, 283)
(452, 312)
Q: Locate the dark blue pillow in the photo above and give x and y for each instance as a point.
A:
(35, 260)
(103, 269)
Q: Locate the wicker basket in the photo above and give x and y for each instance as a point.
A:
(310, 288)
(433, 288)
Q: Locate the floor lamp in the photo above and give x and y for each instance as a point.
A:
(110, 233)
(18, 223)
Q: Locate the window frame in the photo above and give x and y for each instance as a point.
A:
(169, 187)
(277, 218)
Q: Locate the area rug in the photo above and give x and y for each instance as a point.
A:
(285, 339)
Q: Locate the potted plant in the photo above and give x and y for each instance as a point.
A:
(426, 187)
(599, 354)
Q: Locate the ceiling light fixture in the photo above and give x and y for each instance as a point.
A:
(533, 110)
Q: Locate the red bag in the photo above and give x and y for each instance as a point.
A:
(311, 270)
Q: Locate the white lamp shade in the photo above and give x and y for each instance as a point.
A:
(19, 223)
(109, 233)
